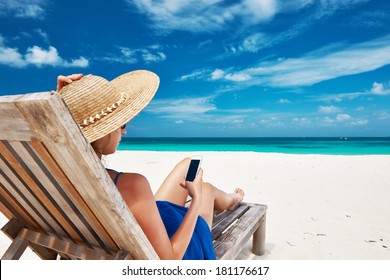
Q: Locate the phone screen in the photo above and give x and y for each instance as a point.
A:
(192, 170)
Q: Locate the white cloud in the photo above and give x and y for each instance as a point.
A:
(309, 70)
(371, 18)
(338, 97)
(315, 67)
(377, 88)
(258, 11)
(213, 15)
(153, 57)
(330, 6)
(328, 109)
(127, 56)
(301, 121)
(382, 115)
(217, 74)
(380, 88)
(273, 120)
(343, 120)
(343, 117)
(43, 34)
(23, 8)
(11, 57)
(196, 75)
(320, 10)
(253, 43)
(181, 106)
(199, 109)
(239, 77)
(359, 122)
(327, 121)
(204, 15)
(33, 11)
(288, 6)
(204, 44)
(39, 57)
(340, 121)
(79, 62)
(130, 56)
(284, 101)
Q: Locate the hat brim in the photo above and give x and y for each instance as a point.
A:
(139, 87)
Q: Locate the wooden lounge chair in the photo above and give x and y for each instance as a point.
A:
(62, 203)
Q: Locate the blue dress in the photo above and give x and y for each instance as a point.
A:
(201, 245)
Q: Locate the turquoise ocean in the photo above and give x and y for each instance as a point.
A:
(289, 145)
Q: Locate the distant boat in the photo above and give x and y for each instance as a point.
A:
(343, 138)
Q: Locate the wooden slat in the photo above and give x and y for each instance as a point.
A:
(56, 129)
(12, 209)
(218, 217)
(231, 242)
(6, 208)
(229, 219)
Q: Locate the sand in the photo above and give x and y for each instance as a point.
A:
(320, 207)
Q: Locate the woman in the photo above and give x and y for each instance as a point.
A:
(175, 232)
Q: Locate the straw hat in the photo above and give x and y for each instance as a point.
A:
(100, 107)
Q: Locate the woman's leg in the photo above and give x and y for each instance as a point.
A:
(170, 190)
(216, 199)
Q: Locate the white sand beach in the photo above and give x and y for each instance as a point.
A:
(319, 207)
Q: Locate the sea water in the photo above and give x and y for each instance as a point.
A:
(290, 145)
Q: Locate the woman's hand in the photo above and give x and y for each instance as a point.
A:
(195, 188)
(66, 80)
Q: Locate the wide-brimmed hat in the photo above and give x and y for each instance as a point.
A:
(99, 107)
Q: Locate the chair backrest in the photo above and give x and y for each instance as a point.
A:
(52, 181)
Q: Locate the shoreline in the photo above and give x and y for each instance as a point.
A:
(320, 207)
(189, 153)
(285, 145)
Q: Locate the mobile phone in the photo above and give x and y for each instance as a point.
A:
(193, 168)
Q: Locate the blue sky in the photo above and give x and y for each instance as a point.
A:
(227, 68)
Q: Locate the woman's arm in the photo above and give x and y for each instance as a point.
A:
(183, 235)
(137, 193)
